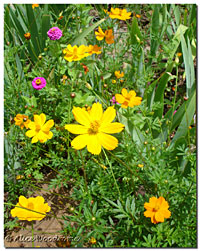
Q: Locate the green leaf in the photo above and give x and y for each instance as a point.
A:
(45, 28)
(190, 108)
(135, 31)
(79, 39)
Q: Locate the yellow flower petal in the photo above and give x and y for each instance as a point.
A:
(109, 115)
(48, 125)
(119, 98)
(124, 92)
(107, 141)
(34, 139)
(81, 116)
(159, 217)
(112, 128)
(76, 129)
(93, 144)
(37, 119)
(30, 133)
(42, 118)
(22, 201)
(79, 142)
(96, 111)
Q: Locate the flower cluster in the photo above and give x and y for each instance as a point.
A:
(54, 33)
(22, 120)
(108, 35)
(94, 129)
(39, 130)
(120, 14)
(128, 98)
(75, 53)
(30, 209)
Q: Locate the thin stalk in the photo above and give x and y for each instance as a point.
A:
(32, 230)
(112, 173)
(84, 173)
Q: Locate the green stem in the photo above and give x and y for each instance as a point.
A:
(84, 173)
(112, 173)
(32, 230)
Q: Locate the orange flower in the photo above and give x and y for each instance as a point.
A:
(128, 98)
(27, 35)
(22, 121)
(108, 35)
(85, 68)
(157, 209)
(34, 6)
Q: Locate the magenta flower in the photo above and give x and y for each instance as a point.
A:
(54, 33)
(174, 112)
(39, 83)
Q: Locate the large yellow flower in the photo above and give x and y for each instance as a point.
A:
(40, 130)
(128, 98)
(121, 14)
(37, 205)
(157, 209)
(22, 121)
(94, 129)
(75, 53)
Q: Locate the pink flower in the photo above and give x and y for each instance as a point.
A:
(174, 112)
(39, 83)
(54, 33)
(113, 100)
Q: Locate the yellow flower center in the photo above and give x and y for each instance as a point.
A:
(94, 127)
(38, 82)
(52, 29)
(156, 208)
(37, 128)
(30, 206)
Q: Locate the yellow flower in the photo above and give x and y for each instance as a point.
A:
(140, 165)
(93, 49)
(99, 34)
(75, 53)
(40, 130)
(93, 240)
(94, 129)
(118, 74)
(22, 121)
(114, 81)
(121, 14)
(157, 209)
(108, 35)
(37, 205)
(34, 6)
(128, 99)
(19, 177)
